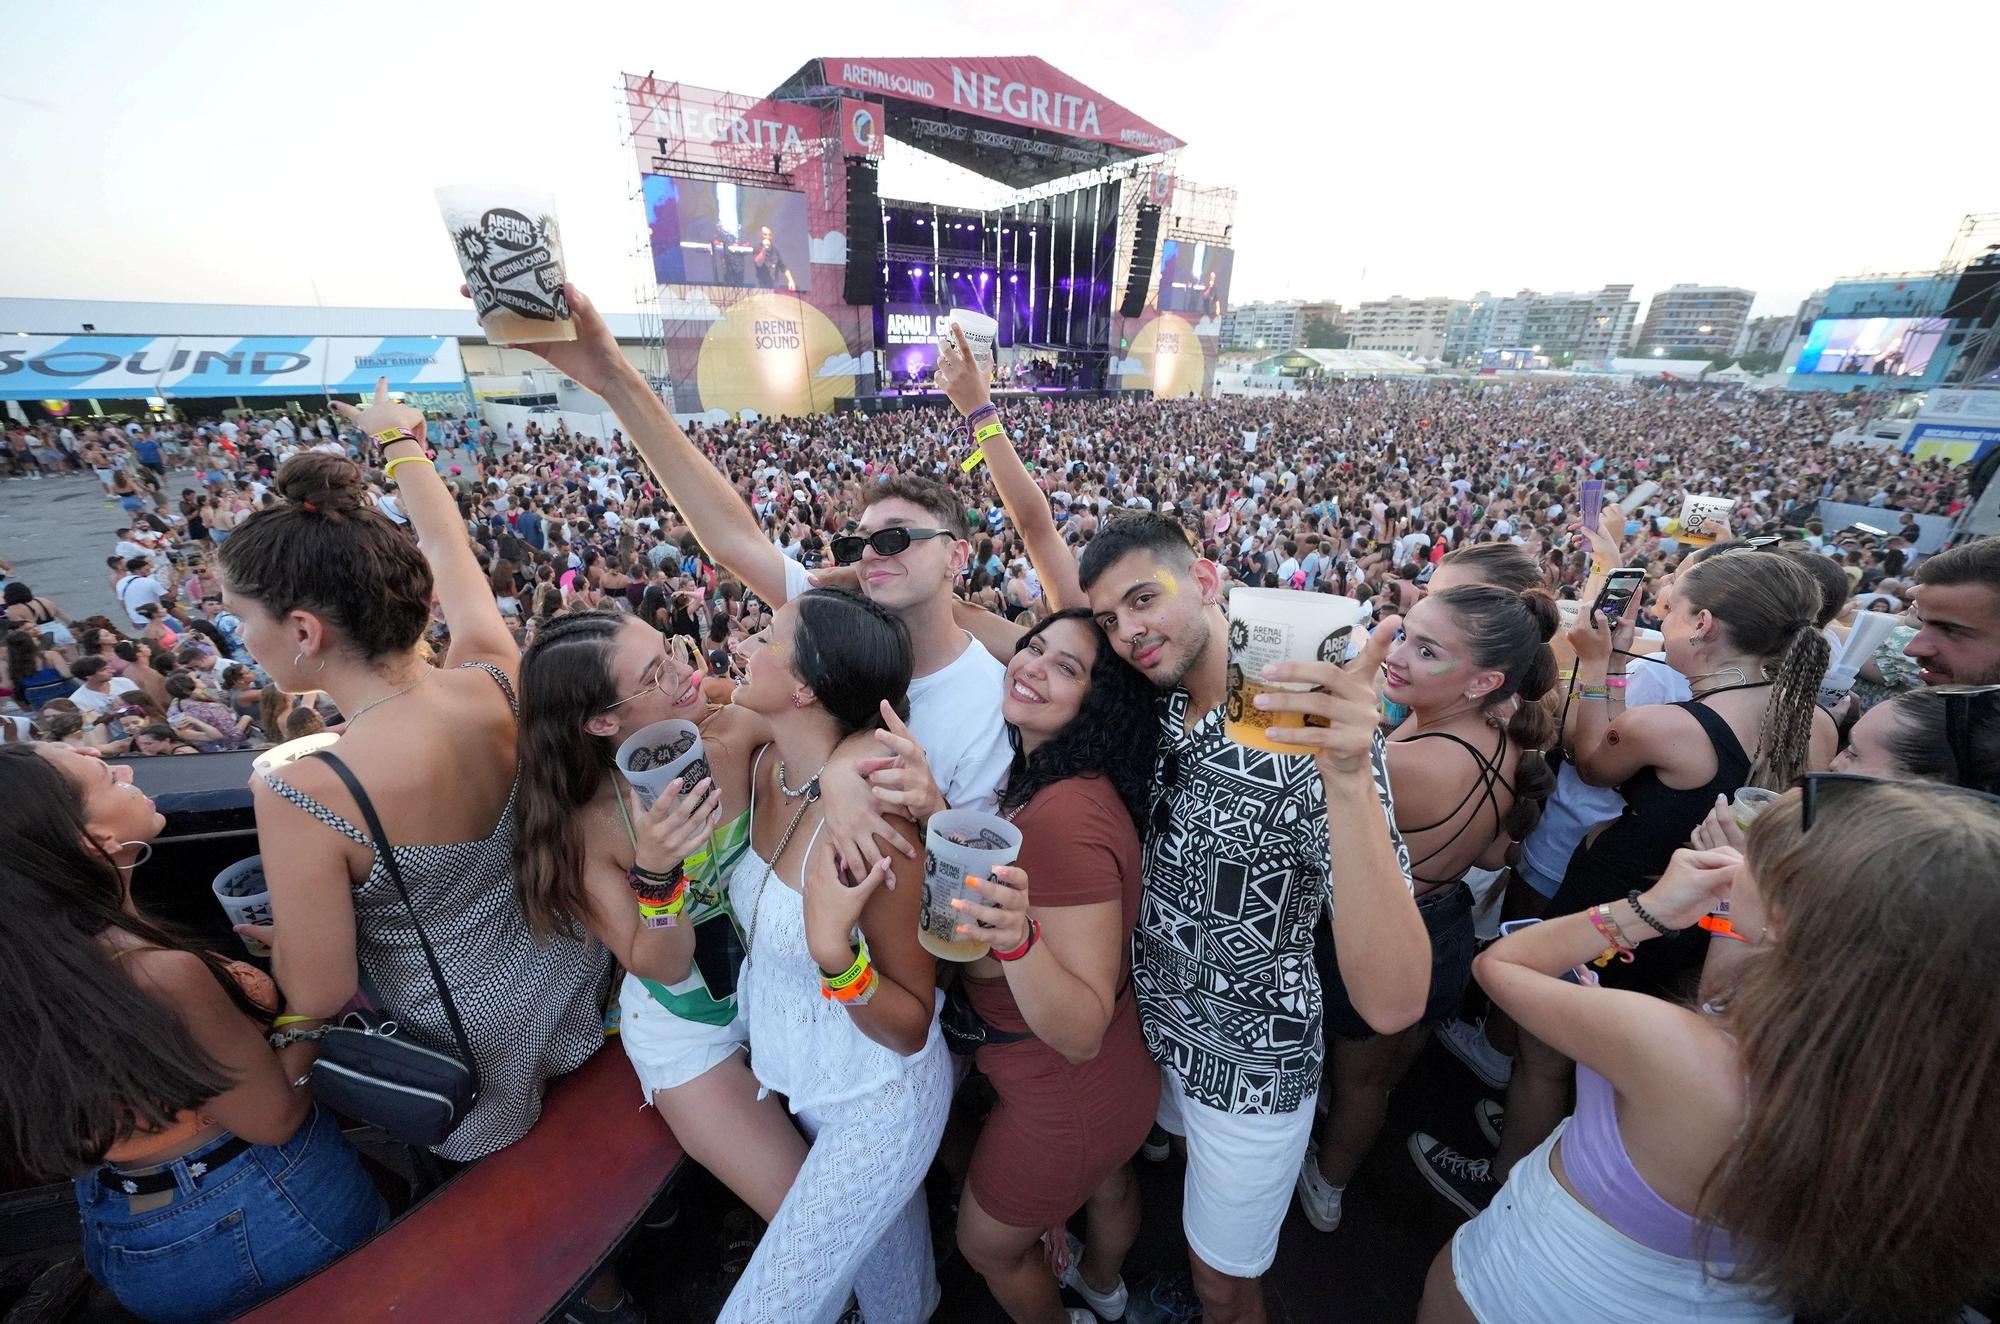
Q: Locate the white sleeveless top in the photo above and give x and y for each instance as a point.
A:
(802, 1045)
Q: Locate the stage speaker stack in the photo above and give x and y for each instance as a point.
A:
(1145, 240)
(864, 232)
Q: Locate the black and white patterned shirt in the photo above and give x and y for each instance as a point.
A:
(1235, 881)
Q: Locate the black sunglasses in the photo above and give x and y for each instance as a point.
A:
(886, 542)
(1163, 794)
(1813, 785)
(1959, 705)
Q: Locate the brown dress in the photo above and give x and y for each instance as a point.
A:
(1060, 1127)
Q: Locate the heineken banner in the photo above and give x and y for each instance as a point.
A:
(119, 367)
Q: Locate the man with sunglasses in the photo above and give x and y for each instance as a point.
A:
(908, 549)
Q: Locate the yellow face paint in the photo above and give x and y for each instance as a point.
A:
(1169, 586)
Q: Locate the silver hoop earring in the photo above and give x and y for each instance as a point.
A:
(145, 853)
(299, 663)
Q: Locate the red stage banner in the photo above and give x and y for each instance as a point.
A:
(861, 128)
(1021, 90)
(680, 122)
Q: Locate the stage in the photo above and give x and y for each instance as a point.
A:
(891, 401)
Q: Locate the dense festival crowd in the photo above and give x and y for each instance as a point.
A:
(1738, 1049)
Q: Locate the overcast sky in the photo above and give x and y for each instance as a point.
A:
(264, 153)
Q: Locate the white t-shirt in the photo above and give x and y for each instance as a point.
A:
(91, 701)
(955, 716)
(135, 591)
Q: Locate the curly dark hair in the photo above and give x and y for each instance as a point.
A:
(1114, 732)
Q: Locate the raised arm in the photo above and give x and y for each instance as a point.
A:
(478, 634)
(1027, 505)
(723, 525)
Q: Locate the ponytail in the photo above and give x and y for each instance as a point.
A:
(1510, 631)
(1785, 740)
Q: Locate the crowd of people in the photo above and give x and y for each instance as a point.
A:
(1747, 1060)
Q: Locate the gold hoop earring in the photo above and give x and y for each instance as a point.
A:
(299, 664)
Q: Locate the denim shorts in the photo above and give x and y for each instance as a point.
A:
(1447, 914)
(234, 1235)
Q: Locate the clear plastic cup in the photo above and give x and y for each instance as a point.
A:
(1750, 801)
(1269, 625)
(245, 898)
(654, 757)
(510, 252)
(959, 842)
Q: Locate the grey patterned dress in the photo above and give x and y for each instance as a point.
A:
(531, 1010)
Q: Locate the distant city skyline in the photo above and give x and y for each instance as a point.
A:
(238, 152)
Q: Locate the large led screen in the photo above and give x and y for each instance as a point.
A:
(1194, 277)
(705, 232)
(1872, 346)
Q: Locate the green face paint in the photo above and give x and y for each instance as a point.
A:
(1441, 669)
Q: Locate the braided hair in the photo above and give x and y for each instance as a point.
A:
(1770, 606)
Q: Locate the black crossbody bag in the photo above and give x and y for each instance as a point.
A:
(368, 1069)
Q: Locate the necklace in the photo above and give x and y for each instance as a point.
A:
(376, 703)
(811, 793)
(811, 786)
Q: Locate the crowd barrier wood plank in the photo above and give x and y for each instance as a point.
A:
(510, 1238)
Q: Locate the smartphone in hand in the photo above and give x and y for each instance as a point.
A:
(1620, 586)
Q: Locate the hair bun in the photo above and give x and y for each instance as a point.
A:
(1541, 604)
(323, 484)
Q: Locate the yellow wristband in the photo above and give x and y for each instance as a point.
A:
(972, 461)
(389, 470)
(283, 1021)
(852, 973)
(990, 428)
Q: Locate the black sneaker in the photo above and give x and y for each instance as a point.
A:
(1466, 1182)
(1492, 1119)
(1165, 1297)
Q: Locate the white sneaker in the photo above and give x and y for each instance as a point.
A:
(1467, 1042)
(1108, 1305)
(1319, 1199)
(1078, 1315)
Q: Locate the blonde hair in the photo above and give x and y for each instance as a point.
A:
(1862, 1184)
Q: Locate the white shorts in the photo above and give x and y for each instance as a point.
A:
(669, 1050)
(1536, 1253)
(1241, 1168)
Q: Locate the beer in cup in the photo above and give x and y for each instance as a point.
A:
(1269, 625)
(980, 331)
(958, 842)
(654, 757)
(511, 253)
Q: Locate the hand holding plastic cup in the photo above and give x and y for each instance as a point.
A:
(245, 898)
(510, 251)
(980, 332)
(958, 843)
(655, 757)
(1269, 625)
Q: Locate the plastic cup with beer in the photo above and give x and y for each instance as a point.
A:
(1750, 801)
(510, 250)
(957, 843)
(245, 898)
(654, 757)
(980, 332)
(1269, 625)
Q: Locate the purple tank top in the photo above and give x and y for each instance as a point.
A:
(1594, 1158)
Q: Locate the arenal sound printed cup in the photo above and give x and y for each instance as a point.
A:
(1269, 625)
(510, 250)
(655, 757)
(959, 842)
(980, 332)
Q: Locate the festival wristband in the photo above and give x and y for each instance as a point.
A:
(988, 430)
(390, 436)
(1027, 943)
(389, 470)
(972, 461)
(987, 410)
(292, 1019)
(853, 972)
